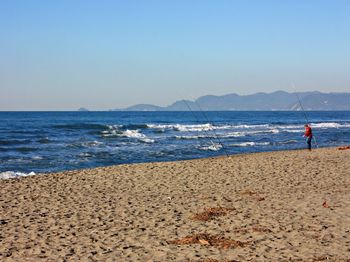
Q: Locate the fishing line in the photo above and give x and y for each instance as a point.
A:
(205, 131)
(216, 136)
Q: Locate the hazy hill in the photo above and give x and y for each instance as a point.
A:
(278, 100)
(320, 101)
(144, 107)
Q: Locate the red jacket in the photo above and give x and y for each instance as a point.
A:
(308, 131)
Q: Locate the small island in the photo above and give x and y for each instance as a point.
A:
(83, 109)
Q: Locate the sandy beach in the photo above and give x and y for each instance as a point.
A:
(276, 206)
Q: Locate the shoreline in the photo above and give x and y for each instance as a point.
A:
(275, 205)
(32, 173)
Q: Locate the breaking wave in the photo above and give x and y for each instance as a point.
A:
(229, 135)
(317, 125)
(249, 133)
(287, 142)
(236, 130)
(183, 128)
(115, 131)
(203, 127)
(195, 137)
(136, 134)
(213, 147)
(13, 174)
(330, 125)
(244, 144)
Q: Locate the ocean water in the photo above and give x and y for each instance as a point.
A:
(40, 142)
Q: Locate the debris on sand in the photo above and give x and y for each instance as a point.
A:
(218, 241)
(212, 212)
(343, 147)
(325, 204)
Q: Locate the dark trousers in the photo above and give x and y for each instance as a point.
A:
(308, 141)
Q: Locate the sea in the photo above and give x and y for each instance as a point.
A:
(43, 142)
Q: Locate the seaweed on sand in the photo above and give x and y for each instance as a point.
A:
(212, 212)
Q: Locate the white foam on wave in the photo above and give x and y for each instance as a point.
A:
(231, 134)
(245, 144)
(250, 126)
(330, 125)
(274, 131)
(13, 174)
(194, 137)
(84, 155)
(316, 125)
(238, 130)
(115, 131)
(203, 127)
(136, 134)
(92, 143)
(114, 126)
(293, 130)
(193, 128)
(288, 142)
(298, 127)
(213, 147)
(183, 128)
(289, 126)
(110, 133)
(258, 128)
(245, 133)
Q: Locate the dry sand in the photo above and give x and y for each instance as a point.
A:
(278, 206)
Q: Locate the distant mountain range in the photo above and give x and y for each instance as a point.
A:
(278, 101)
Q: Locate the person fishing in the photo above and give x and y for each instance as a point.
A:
(308, 135)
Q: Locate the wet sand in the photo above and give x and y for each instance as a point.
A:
(276, 206)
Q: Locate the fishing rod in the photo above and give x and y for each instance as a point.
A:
(206, 133)
(216, 136)
(305, 115)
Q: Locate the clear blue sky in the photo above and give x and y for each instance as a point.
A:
(62, 55)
